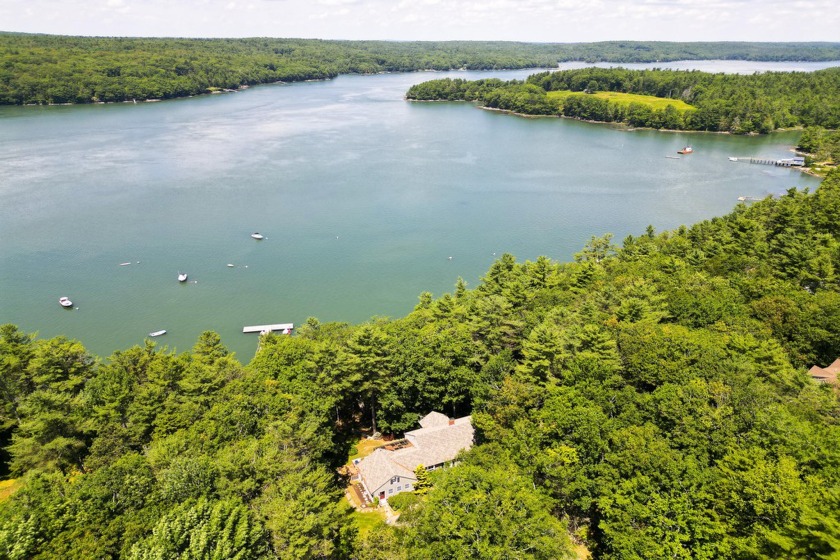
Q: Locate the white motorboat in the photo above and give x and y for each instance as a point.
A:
(257, 235)
(182, 277)
(157, 333)
(65, 301)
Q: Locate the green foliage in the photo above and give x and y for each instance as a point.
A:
(45, 400)
(307, 517)
(204, 530)
(475, 512)
(422, 484)
(405, 501)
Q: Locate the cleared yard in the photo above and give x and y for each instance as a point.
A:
(368, 520)
(365, 447)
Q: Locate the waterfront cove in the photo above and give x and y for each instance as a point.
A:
(363, 201)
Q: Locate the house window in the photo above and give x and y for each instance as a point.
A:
(399, 488)
(390, 490)
(408, 486)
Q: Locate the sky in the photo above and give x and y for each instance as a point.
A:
(559, 21)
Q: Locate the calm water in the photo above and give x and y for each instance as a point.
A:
(363, 198)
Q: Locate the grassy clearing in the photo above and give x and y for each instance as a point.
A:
(820, 169)
(581, 552)
(364, 447)
(367, 520)
(656, 103)
(9, 487)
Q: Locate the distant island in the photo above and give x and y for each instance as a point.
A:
(53, 69)
(663, 99)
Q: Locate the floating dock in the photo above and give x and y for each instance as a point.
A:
(262, 328)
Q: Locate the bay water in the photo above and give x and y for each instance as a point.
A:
(365, 201)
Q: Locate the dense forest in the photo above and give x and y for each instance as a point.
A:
(740, 104)
(61, 69)
(820, 144)
(649, 400)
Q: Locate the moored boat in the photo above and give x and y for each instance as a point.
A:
(65, 302)
(182, 277)
(157, 333)
(257, 235)
(686, 150)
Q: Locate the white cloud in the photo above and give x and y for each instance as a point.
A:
(118, 6)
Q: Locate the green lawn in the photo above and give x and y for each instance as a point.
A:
(657, 103)
(368, 520)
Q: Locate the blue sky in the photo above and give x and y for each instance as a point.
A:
(510, 20)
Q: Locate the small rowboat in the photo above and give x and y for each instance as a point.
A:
(182, 277)
(65, 302)
(257, 235)
(157, 333)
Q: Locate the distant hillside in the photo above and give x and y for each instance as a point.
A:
(62, 69)
(734, 103)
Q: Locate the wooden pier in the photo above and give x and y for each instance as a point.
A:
(787, 162)
(285, 327)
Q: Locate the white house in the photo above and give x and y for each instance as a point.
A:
(390, 469)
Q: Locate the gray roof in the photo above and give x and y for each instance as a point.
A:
(433, 419)
(433, 444)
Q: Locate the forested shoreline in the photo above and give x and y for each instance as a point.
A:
(43, 69)
(821, 145)
(648, 399)
(739, 104)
